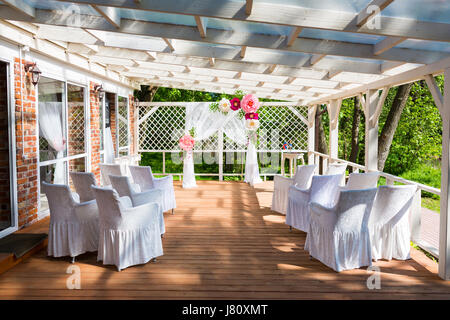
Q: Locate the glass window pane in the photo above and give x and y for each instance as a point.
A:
(52, 124)
(76, 119)
(123, 122)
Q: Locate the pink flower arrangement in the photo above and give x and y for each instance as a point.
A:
(250, 103)
(252, 115)
(235, 104)
(187, 142)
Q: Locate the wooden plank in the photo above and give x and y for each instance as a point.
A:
(220, 246)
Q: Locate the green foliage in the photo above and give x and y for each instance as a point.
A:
(214, 107)
(418, 138)
(427, 175)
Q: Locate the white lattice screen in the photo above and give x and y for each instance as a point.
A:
(160, 125)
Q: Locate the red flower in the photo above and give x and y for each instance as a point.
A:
(235, 104)
(252, 115)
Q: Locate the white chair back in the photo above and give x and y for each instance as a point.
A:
(60, 201)
(109, 206)
(122, 185)
(83, 182)
(336, 168)
(392, 203)
(143, 176)
(325, 189)
(107, 170)
(358, 181)
(303, 176)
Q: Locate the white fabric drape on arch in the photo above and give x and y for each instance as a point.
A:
(109, 146)
(51, 128)
(207, 123)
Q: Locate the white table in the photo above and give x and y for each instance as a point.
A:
(293, 158)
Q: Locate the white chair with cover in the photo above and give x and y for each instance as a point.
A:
(357, 181)
(324, 189)
(108, 169)
(123, 187)
(128, 235)
(82, 181)
(389, 222)
(339, 236)
(336, 168)
(74, 226)
(302, 179)
(143, 176)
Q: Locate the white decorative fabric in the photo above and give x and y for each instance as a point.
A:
(74, 226)
(143, 176)
(128, 235)
(324, 190)
(337, 168)
(123, 187)
(207, 123)
(357, 181)
(389, 222)
(109, 146)
(107, 169)
(338, 236)
(302, 179)
(251, 165)
(51, 128)
(82, 182)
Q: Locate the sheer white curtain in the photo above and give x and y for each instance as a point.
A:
(236, 131)
(109, 146)
(207, 123)
(51, 128)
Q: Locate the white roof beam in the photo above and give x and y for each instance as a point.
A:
(289, 15)
(216, 36)
(20, 6)
(372, 9)
(201, 26)
(293, 35)
(386, 44)
(111, 14)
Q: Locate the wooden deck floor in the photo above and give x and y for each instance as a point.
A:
(223, 242)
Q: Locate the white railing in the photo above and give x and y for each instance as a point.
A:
(416, 212)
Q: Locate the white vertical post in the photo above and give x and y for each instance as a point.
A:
(444, 223)
(164, 162)
(311, 133)
(416, 216)
(220, 147)
(371, 141)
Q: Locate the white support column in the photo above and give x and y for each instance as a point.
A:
(371, 141)
(220, 147)
(311, 132)
(334, 108)
(444, 231)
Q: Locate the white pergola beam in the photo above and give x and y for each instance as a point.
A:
(227, 37)
(387, 44)
(201, 26)
(293, 35)
(111, 14)
(372, 9)
(20, 6)
(289, 15)
(435, 92)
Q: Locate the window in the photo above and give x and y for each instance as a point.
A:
(62, 132)
(123, 127)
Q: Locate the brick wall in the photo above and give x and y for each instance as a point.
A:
(132, 124)
(113, 119)
(5, 199)
(27, 155)
(94, 106)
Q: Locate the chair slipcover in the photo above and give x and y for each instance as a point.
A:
(338, 236)
(128, 235)
(357, 181)
(82, 182)
(143, 176)
(324, 189)
(302, 180)
(74, 227)
(123, 187)
(108, 169)
(389, 222)
(336, 168)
